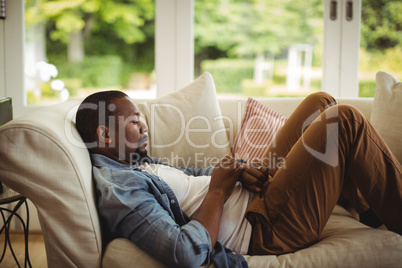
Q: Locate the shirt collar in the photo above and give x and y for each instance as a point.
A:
(101, 160)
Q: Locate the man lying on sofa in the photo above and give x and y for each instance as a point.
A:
(146, 201)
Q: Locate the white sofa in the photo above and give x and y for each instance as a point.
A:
(42, 157)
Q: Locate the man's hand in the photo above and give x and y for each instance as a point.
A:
(225, 175)
(254, 176)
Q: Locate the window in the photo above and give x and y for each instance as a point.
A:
(175, 45)
(73, 48)
(260, 48)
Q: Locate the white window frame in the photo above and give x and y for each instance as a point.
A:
(174, 44)
(341, 50)
(2, 66)
(12, 66)
(174, 51)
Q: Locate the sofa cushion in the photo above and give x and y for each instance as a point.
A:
(259, 127)
(344, 242)
(387, 110)
(186, 127)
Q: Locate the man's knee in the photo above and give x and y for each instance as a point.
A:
(349, 112)
(343, 112)
(321, 97)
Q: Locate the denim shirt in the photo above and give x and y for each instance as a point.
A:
(141, 207)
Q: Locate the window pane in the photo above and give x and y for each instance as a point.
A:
(381, 42)
(76, 47)
(260, 47)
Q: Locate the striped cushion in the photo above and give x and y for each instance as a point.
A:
(258, 128)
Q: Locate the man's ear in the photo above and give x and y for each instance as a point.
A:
(103, 134)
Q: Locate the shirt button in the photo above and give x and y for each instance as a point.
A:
(172, 201)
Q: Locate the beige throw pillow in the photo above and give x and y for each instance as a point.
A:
(387, 111)
(186, 127)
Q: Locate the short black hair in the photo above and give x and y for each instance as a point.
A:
(94, 108)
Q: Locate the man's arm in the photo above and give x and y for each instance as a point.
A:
(143, 220)
(223, 180)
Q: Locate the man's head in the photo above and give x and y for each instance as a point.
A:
(109, 123)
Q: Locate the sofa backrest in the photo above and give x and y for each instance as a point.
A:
(44, 159)
(234, 108)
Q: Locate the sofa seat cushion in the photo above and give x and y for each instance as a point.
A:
(345, 242)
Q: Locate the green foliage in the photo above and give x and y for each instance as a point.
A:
(31, 98)
(381, 26)
(101, 71)
(93, 72)
(374, 61)
(235, 76)
(251, 89)
(228, 74)
(47, 93)
(366, 88)
(73, 85)
(246, 28)
(125, 17)
(389, 60)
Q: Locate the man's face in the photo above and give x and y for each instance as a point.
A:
(128, 132)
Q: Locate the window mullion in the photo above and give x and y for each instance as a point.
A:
(349, 68)
(341, 48)
(14, 56)
(2, 61)
(174, 49)
(332, 47)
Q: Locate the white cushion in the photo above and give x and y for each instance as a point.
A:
(186, 127)
(387, 111)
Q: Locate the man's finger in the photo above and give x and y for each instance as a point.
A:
(258, 174)
(252, 180)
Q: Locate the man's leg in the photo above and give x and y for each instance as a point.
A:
(340, 144)
(312, 106)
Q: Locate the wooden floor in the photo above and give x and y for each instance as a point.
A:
(36, 248)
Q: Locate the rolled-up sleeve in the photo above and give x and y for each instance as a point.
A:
(143, 220)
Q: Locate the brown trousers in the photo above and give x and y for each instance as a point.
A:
(338, 153)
